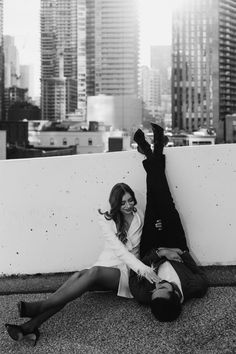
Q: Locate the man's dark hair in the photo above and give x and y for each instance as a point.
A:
(166, 310)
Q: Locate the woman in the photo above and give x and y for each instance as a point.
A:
(122, 227)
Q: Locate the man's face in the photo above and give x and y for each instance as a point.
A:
(164, 289)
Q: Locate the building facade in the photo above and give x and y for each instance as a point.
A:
(161, 61)
(60, 55)
(203, 64)
(151, 90)
(26, 79)
(11, 62)
(118, 112)
(12, 95)
(112, 47)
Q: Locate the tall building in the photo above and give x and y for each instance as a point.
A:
(1, 61)
(161, 61)
(26, 78)
(150, 90)
(11, 62)
(112, 47)
(81, 60)
(204, 64)
(60, 49)
(13, 91)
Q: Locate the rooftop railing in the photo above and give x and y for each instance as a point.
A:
(48, 206)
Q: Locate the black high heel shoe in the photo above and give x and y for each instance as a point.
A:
(17, 333)
(160, 140)
(22, 309)
(143, 146)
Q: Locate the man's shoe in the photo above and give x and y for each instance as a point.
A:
(143, 146)
(159, 138)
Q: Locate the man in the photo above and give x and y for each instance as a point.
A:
(163, 243)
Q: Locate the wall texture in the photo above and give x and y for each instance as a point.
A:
(48, 206)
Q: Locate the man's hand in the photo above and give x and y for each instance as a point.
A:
(178, 250)
(158, 225)
(171, 254)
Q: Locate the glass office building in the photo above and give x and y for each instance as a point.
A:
(203, 64)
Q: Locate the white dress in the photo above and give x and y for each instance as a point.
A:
(122, 256)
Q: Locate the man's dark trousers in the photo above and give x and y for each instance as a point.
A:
(160, 206)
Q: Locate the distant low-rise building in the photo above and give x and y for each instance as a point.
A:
(201, 137)
(23, 111)
(194, 139)
(12, 95)
(120, 112)
(230, 128)
(86, 141)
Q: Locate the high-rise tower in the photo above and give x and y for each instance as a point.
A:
(60, 45)
(112, 47)
(151, 90)
(161, 61)
(11, 62)
(204, 64)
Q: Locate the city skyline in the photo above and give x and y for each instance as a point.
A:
(27, 33)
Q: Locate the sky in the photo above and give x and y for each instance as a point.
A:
(22, 20)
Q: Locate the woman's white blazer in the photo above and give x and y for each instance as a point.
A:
(115, 253)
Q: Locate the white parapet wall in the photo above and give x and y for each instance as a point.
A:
(48, 206)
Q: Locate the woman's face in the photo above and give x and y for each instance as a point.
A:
(127, 204)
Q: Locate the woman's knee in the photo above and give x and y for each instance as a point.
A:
(94, 272)
(76, 275)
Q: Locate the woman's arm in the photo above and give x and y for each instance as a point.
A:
(122, 252)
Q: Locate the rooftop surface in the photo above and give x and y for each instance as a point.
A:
(100, 323)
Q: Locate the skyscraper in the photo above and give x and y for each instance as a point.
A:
(26, 78)
(204, 64)
(112, 47)
(11, 62)
(150, 90)
(59, 56)
(1, 61)
(161, 61)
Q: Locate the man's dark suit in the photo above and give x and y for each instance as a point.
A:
(160, 206)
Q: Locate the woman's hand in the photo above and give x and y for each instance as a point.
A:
(151, 275)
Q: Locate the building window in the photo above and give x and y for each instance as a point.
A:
(90, 141)
(51, 141)
(64, 142)
(76, 141)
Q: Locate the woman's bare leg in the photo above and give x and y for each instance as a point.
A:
(31, 309)
(106, 277)
(71, 280)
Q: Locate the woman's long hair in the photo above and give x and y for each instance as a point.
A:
(115, 199)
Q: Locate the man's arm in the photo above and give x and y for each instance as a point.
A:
(198, 284)
(155, 255)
